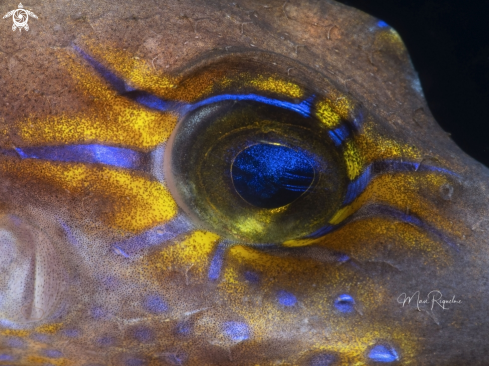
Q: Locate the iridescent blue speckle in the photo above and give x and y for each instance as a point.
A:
(184, 328)
(15, 342)
(176, 359)
(286, 298)
(271, 176)
(53, 353)
(383, 353)
(6, 357)
(134, 362)
(155, 304)
(323, 359)
(382, 24)
(236, 331)
(217, 262)
(72, 333)
(105, 341)
(345, 303)
(252, 277)
(97, 312)
(143, 334)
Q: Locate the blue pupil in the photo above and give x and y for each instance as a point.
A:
(271, 176)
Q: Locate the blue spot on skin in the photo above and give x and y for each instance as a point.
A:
(236, 331)
(41, 338)
(15, 342)
(382, 24)
(345, 303)
(176, 359)
(286, 298)
(72, 333)
(6, 357)
(53, 353)
(383, 353)
(271, 176)
(98, 313)
(134, 362)
(184, 328)
(105, 341)
(143, 334)
(155, 304)
(324, 359)
(252, 277)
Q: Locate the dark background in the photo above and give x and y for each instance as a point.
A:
(448, 41)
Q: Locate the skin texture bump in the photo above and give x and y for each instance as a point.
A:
(213, 183)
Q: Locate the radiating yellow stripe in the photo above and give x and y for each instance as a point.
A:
(136, 203)
(132, 127)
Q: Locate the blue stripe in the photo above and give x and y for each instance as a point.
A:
(217, 261)
(115, 81)
(303, 108)
(338, 135)
(108, 155)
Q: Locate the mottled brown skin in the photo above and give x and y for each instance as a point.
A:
(332, 39)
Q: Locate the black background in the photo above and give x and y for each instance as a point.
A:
(448, 41)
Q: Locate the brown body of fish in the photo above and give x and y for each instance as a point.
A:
(128, 238)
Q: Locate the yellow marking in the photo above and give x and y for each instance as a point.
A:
(400, 191)
(134, 202)
(374, 146)
(112, 119)
(315, 287)
(353, 159)
(327, 115)
(279, 86)
(38, 360)
(49, 328)
(195, 251)
(128, 126)
(140, 74)
(14, 332)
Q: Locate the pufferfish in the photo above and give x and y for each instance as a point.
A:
(219, 183)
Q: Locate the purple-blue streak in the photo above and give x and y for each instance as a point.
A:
(152, 237)
(108, 155)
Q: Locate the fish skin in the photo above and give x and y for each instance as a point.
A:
(88, 301)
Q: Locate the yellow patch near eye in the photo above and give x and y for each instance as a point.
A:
(123, 124)
(136, 203)
(327, 115)
(194, 251)
(275, 85)
(353, 159)
(400, 191)
(112, 119)
(374, 146)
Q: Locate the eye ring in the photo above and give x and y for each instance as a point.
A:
(201, 179)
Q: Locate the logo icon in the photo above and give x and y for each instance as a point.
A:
(20, 17)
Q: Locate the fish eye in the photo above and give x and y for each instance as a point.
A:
(255, 173)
